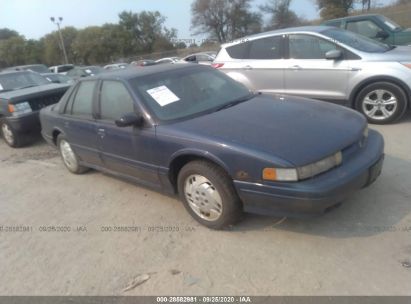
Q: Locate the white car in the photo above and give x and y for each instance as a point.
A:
(61, 69)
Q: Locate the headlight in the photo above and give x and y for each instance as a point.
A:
(20, 108)
(301, 173)
(280, 174)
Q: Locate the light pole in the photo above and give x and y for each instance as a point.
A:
(58, 22)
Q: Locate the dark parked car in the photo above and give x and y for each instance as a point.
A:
(38, 68)
(191, 130)
(58, 78)
(22, 95)
(377, 27)
(86, 71)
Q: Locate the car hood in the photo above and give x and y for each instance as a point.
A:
(34, 91)
(399, 53)
(297, 130)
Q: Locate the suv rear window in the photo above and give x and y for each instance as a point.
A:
(238, 51)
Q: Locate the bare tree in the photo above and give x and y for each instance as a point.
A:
(280, 14)
(224, 20)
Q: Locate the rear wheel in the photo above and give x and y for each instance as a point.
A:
(382, 102)
(11, 136)
(69, 157)
(209, 195)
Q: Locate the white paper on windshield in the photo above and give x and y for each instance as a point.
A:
(88, 71)
(163, 95)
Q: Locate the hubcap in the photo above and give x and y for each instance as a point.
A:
(380, 104)
(68, 155)
(203, 198)
(7, 133)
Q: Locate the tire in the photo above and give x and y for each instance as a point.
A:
(69, 157)
(208, 194)
(11, 136)
(381, 102)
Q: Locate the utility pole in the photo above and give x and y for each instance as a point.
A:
(58, 22)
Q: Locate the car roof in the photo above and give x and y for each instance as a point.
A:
(133, 72)
(10, 71)
(353, 17)
(302, 29)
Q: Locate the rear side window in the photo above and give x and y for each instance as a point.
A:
(115, 100)
(238, 51)
(266, 48)
(83, 101)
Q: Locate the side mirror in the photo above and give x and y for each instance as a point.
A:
(129, 119)
(333, 55)
(382, 35)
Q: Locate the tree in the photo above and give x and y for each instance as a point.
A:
(52, 49)
(224, 20)
(6, 33)
(331, 9)
(12, 51)
(280, 14)
(147, 30)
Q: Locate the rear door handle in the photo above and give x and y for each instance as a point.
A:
(247, 67)
(296, 67)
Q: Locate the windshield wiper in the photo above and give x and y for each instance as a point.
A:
(235, 102)
(26, 87)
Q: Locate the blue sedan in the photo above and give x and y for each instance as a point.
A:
(190, 130)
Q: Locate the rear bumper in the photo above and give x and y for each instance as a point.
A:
(26, 123)
(318, 195)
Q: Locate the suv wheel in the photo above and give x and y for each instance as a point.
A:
(209, 195)
(382, 102)
(11, 137)
(69, 157)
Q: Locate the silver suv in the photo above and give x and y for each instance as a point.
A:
(324, 63)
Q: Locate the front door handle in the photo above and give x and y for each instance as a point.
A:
(101, 132)
(247, 67)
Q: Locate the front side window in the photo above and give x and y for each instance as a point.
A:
(266, 48)
(364, 27)
(83, 101)
(309, 47)
(115, 100)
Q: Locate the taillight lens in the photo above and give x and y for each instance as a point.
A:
(217, 65)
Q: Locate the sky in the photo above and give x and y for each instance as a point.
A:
(31, 18)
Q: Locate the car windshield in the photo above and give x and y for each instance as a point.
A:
(186, 93)
(357, 41)
(20, 80)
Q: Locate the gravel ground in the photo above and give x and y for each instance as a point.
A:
(361, 248)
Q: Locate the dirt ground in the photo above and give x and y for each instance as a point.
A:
(62, 234)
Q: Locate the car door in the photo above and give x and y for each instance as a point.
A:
(261, 64)
(80, 123)
(124, 150)
(310, 74)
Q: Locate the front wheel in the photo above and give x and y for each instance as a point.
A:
(69, 157)
(382, 102)
(209, 195)
(11, 136)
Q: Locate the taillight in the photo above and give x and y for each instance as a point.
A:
(217, 65)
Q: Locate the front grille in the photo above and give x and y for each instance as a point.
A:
(38, 103)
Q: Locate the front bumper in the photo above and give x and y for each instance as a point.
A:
(25, 123)
(319, 194)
